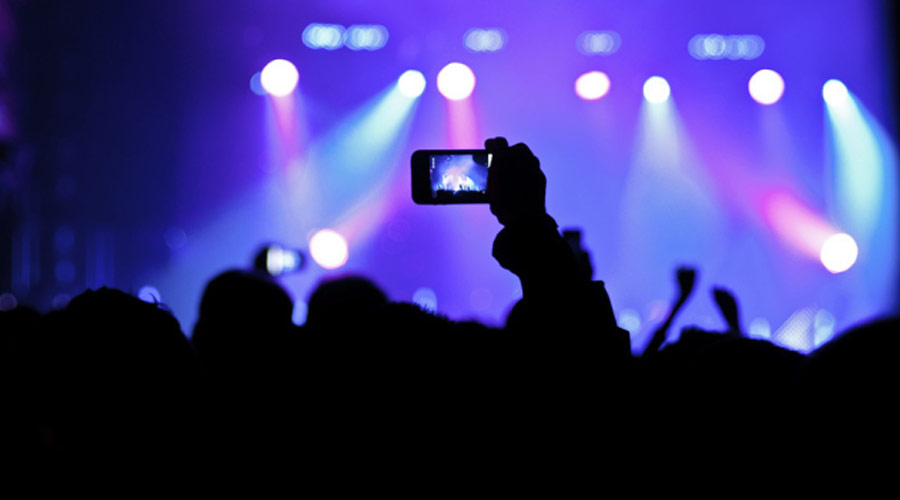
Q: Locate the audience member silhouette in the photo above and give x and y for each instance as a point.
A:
(343, 305)
(244, 326)
(111, 375)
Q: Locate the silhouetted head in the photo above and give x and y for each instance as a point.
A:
(343, 302)
(243, 316)
(114, 374)
(111, 333)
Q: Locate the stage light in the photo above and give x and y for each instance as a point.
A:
(328, 249)
(797, 331)
(835, 92)
(279, 77)
(592, 85)
(760, 329)
(824, 324)
(426, 299)
(411, 83)
(149, 294)
(256, 84)
(484, 40)
(598, 42)
(323, 36)
(630, 320)
(8, 302)
(766, 87)
(456, 81)
(714, 46)
(60, 301)
(839, 253)
(656, 89)
(365, 37)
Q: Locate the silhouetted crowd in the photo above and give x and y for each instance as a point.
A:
(366, 380)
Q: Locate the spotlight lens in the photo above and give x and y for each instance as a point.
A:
(839, 253)
(834, 92)
(279, 77)
(328, 249)
(592, 86)
(456, 81)
(656, 89)
(766, 87)
(411, 83)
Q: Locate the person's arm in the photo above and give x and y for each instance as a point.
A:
(686, 277)
(529, 245)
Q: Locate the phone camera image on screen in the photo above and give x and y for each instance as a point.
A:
(448, 176)
(459, 174)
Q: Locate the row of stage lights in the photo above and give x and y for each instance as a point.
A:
(714, 46)
(456, 81)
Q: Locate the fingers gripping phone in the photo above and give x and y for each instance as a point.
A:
(448, 176)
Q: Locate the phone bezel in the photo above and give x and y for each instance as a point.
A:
(421, 179)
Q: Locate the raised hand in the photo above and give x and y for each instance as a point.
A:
(686, 276)
(516, 186)
(729, 309)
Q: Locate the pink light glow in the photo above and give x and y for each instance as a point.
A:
(462, 125)
(286, 114)
(795, 223)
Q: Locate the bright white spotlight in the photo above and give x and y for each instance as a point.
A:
(279, 77)
(834, 92)
(766, 87)
(592, 86)
(656, 89)
(411, 83)
(839, 253)
(328, 249)
(456, 81)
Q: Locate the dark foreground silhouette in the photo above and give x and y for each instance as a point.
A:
(368, 380)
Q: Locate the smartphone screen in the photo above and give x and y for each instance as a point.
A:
(459, 173)
(448, 176)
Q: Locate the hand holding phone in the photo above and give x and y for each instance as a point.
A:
(516, 187)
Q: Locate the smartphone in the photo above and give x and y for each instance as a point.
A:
(450, 176)
(277, 260)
